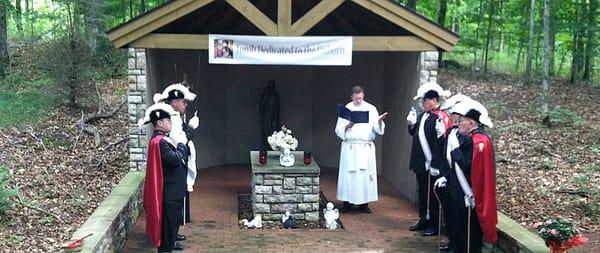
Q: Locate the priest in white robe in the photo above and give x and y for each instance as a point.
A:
(357, 178)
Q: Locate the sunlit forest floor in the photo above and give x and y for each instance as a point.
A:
(541, 171)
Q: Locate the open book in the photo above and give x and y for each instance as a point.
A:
(353, 116)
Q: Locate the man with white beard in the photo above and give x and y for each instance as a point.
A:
(357, 178)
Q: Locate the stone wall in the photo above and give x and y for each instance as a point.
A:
(274, 194)
(428, 67)
(137, 104)
(514, 238)
(115, 217)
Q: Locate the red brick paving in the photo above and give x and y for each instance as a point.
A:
(214, 226)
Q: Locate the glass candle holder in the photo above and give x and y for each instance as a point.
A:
(262, 157)
(307, 158)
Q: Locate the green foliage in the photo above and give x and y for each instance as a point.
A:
(23, 107)
(562, 116)
(5, 193)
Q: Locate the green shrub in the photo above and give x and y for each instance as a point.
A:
(5, 193)
(565, 117)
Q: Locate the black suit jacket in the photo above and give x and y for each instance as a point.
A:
(417, 158)
(174, 170)
(463, 156)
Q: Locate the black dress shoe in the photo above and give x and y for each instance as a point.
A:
(178, 246)
(180, 237)
(365, 208)
(418, 226)
(345, 207)
(445, 247)
(429, 232)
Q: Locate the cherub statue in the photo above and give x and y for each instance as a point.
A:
(288, 221)
(254, 223)
(331, 215)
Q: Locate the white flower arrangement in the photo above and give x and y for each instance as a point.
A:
(282, 139)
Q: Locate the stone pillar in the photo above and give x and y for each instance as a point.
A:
(137, 104)
(428, 67)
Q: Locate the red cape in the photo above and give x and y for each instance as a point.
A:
(483, 181)
(444, 118)
(153, 189)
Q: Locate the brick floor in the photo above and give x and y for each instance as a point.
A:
(214, 226)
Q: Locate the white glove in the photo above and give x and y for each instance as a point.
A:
(440, 128)
(440, 182)
(194, 121)
(470, 201)
(434, 172)
(411, 119)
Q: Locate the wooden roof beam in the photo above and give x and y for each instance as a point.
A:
(360, 43)
(284, 17)
(314, 16)
(257, 17)
(154, 20)
(407, 25)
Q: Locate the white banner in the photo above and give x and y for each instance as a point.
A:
(275, 50)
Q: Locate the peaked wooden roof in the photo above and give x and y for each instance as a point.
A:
(375, 25)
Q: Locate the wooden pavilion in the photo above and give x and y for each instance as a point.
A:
(394, 51)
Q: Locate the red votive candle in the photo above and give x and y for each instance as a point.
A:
(307, 158)
(262, 157)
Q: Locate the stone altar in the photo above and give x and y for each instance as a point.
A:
(277, 189)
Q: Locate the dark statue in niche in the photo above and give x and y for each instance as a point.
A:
(269, 113)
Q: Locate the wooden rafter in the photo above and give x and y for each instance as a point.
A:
(284, 17)
(154, 20)
(360, 43)
(377, 6)
(314, 16)
(257, 17)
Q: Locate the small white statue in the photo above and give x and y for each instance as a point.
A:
(331, 215)
(254, 223)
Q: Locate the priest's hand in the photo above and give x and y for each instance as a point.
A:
(411, 119)
(434, 172)
(349, 125)
(382, 116)
(440, 128)
(440, 182)
(194, 121)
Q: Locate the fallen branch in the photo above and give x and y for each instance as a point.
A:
(580, 193)
(25, 204)
(36, 138)
(102, 115)
(92, 130)
(110, 145)
(80, 132)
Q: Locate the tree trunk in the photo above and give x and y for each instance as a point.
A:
(441, 21)
(123, 11)
(412, 4)
(18, 16)
(545, 81)
(551, 70)
(531, 37)
(4, 60)
(489, 35)
(589, 52)
(576, 49)
(130, 8)
(521, 45)
(477, 32)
